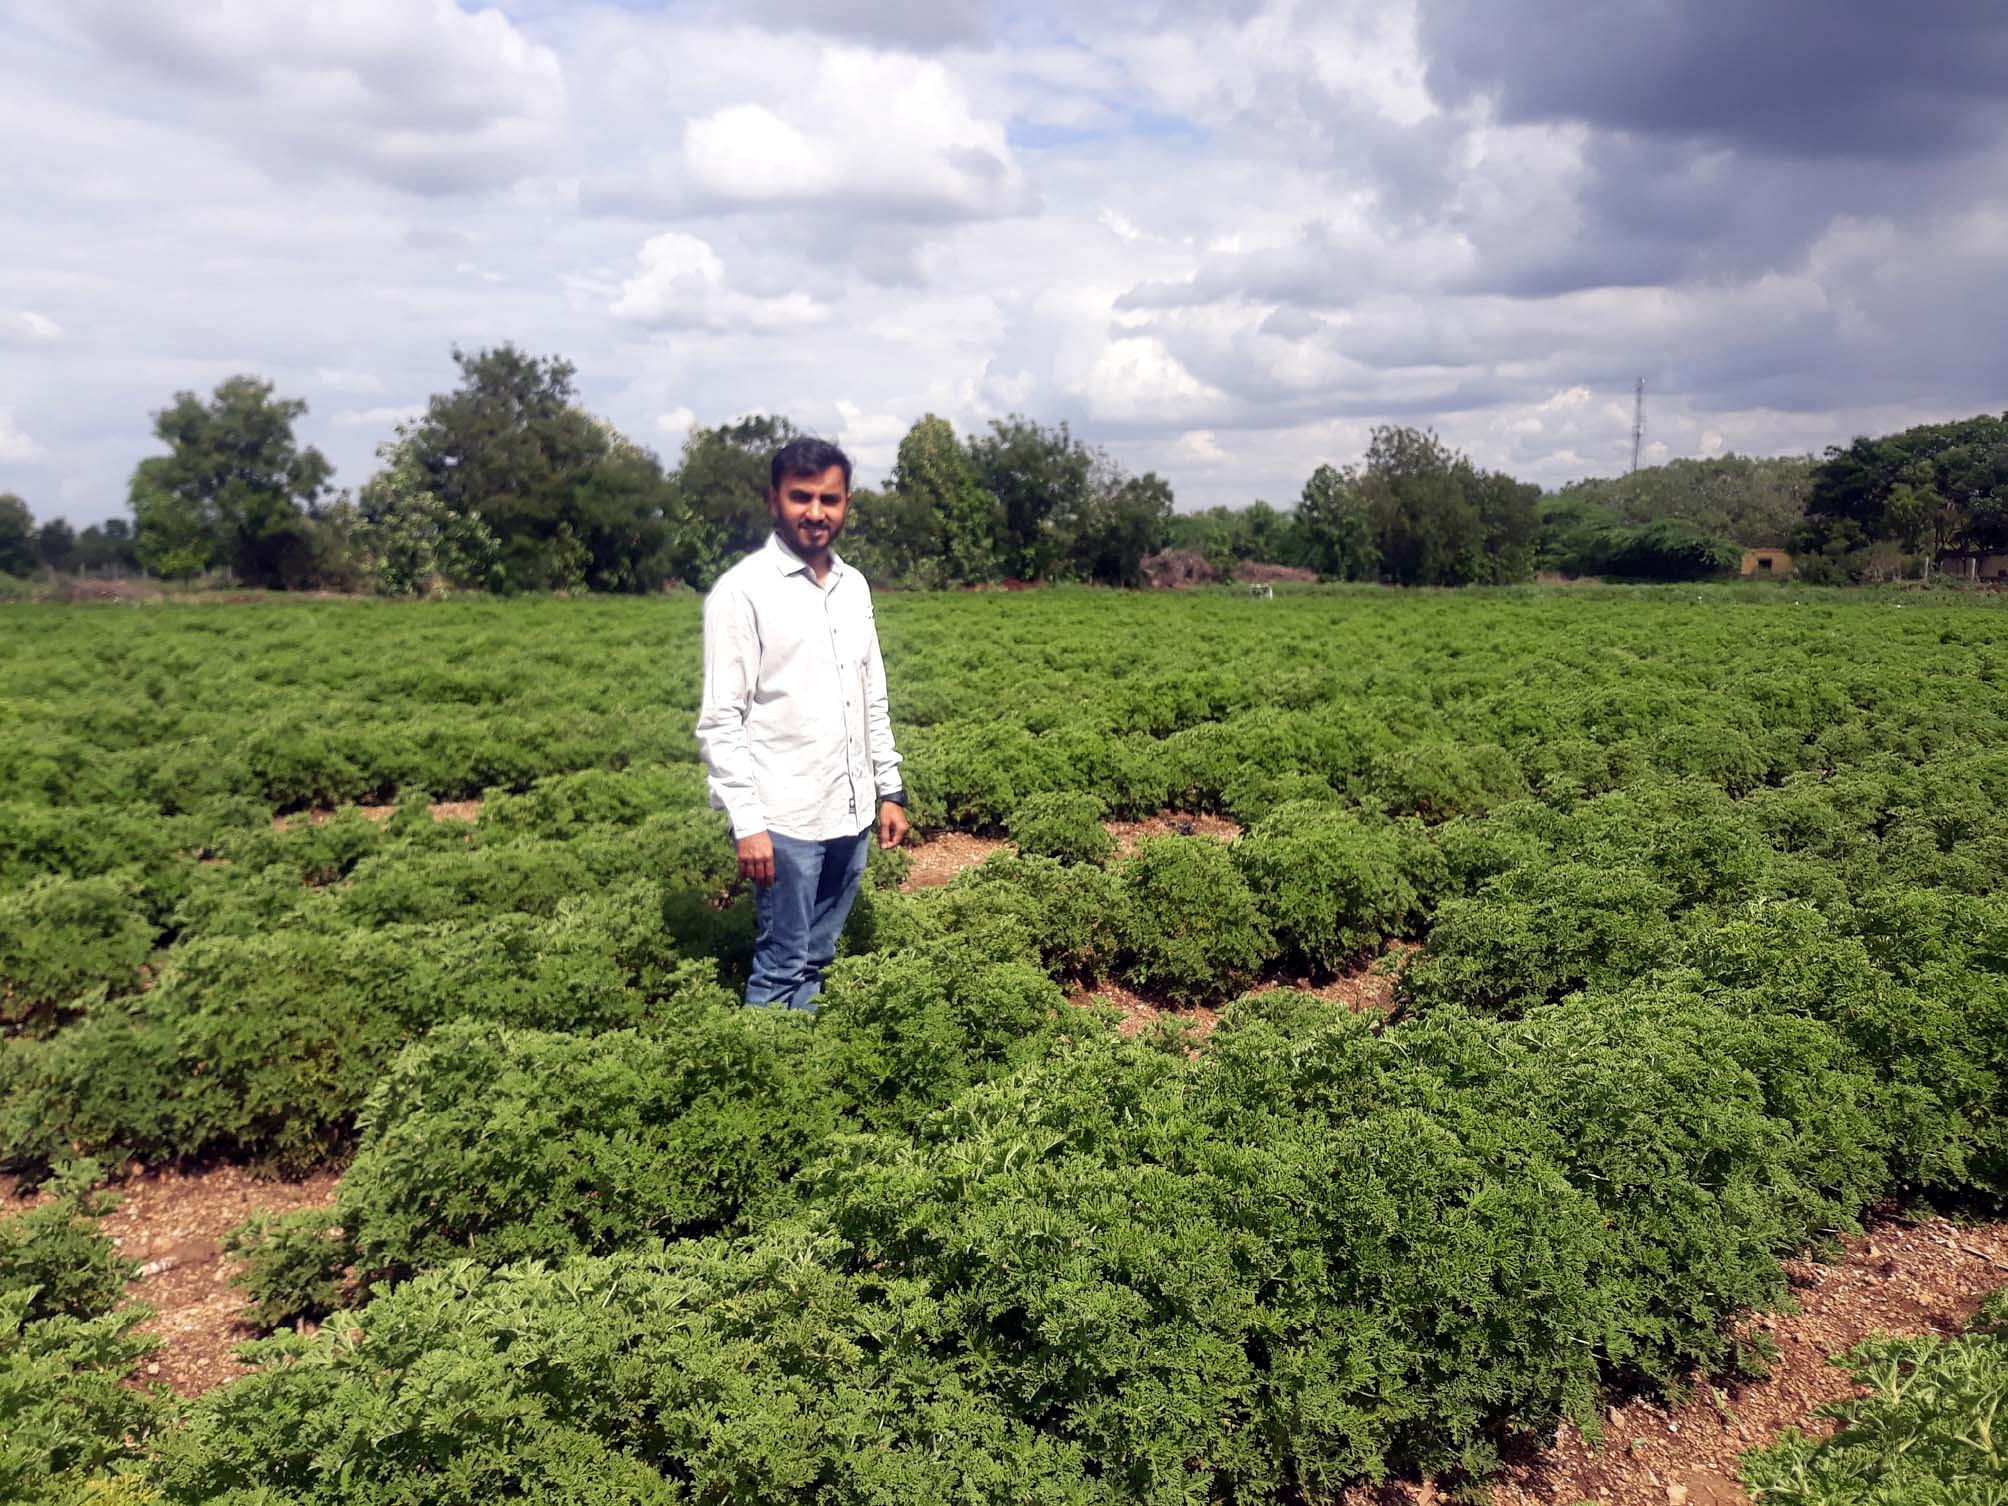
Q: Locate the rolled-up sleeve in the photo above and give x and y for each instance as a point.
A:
(731, 674)
(878, 717)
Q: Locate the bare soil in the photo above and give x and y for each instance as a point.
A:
(945, 854)
(442, 810)
(173, 1223)
(1170, 824)
(1900, 1278)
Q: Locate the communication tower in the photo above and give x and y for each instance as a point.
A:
(1638, 422)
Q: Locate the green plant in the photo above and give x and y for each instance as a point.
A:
(1189, 925)
(1335, 887)
(295, 1265)
(1062, 825)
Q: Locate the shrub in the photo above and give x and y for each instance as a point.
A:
(899, 1033)
(1436, 781)
(1066, 911)
(295, 1265)
(1064, 826)
(68, 1413)
(501, 1145)
(61, 937)
(1333, 886)
(1189, 925)
(1920, 1436)
(1533, 934)
(740, 1375)
(267, 1046)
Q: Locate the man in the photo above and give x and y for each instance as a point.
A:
(794, 726)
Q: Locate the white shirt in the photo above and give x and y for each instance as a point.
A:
(794, 726)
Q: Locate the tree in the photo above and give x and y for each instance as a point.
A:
(720, 493)
(1935, 489)
(56, 545)
(1508, 517)
(939, 495)
(1119, 519)
(1039, 476)
(107, 547)
(408, 541)
(17, 536)
(233, 489)
(1335, 529)
(1426, 524)
(567, 500)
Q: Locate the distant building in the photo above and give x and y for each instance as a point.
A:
(1977, 567)
(1766, 562)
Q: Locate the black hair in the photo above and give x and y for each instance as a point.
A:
(807, 457)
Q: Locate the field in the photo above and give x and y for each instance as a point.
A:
(1525, 979)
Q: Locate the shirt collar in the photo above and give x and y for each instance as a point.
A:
(790, 563)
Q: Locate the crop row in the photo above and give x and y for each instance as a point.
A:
(1713, 956)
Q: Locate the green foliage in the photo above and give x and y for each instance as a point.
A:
(1939, 489)
(17, 536)
(507, 480)
(501, 1145)
(1063, 825)
(1717, 957)
(744, 1376)
(233, 490)
(1533, 934)
(71, 1428)
(62, 937)
(409, 541)
(1742, 501)
(1334, 887)
(1921, 1436)
(1664, 550)
(1335, 531)
(67, 1351)
(55, 1255)
(1190, 927)
(295, 1265)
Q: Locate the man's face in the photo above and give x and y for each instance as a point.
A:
(809, 510)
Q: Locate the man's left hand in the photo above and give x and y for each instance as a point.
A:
(892, 825)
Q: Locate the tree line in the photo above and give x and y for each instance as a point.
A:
(506, 483)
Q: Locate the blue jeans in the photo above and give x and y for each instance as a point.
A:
(800, 916)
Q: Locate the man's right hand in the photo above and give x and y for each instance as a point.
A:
(756, 858)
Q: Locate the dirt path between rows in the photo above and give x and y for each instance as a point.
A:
(1923, 1278)
(944, 854)
(173, 1223)
(1905, 1278)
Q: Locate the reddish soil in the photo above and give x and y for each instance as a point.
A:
(1923, 1278)
(1170, 824)
(173, 1223)
(443, 810)
(1369, 986)
(1139, 1012)
(945, 854)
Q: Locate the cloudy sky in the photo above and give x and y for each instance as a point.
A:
(1221, 237)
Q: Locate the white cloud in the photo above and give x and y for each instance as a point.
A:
(867, 131)
(1138, 378)
(681, 284)
(418, 94)
(383, 419)
(360, 383)
(871, 438)
(1200, 447)
(29, 325)
(676, 423)
(16, 448)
